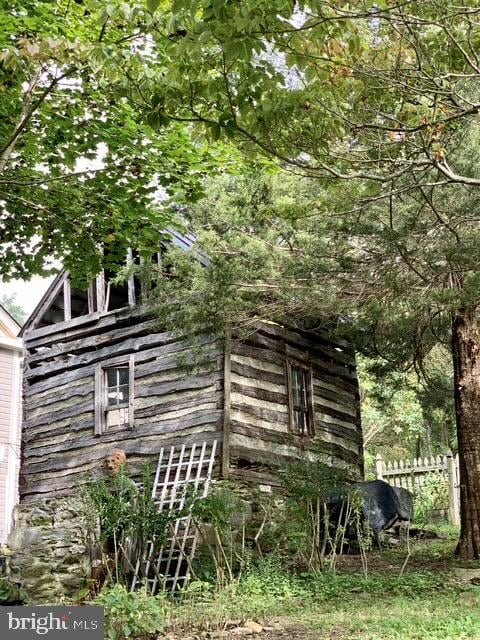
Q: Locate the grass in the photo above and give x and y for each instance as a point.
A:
(425, 603)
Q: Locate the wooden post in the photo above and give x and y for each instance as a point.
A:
(453, 510)
(227, 377)
(67, 300)
(101, 306)
(379, 467)
(131, 281)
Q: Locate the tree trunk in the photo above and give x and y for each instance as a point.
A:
(466, 367)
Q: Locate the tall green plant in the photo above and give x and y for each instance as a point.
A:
(132, 614)
(220, 518)
(122, 519)
(323, 514)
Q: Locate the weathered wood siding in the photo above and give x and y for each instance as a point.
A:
(259, 418)
(171, 404)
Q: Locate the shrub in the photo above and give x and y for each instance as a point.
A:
(121, 519)
(430, 497)
(323, 513)
(132, 614)
(221, 519)
(10, 592)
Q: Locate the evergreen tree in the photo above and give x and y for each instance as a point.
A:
(406, 271)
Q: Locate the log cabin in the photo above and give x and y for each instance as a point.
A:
(100, 373)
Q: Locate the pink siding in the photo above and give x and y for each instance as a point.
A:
(9, 436)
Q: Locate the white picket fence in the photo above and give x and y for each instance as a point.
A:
(412, 474)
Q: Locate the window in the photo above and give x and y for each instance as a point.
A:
(114, 395)
(300, 398)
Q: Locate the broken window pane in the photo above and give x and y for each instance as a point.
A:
(117, 386)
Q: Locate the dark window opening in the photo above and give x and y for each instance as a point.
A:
(79, 303)
(116, 292)
(300, 399)
(55, 312)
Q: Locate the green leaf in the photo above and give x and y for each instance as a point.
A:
(152, 5)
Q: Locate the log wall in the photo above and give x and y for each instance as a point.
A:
(172, 403)
(259, 416)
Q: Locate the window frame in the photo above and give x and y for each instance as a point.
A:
(101, 401)
(290, 364)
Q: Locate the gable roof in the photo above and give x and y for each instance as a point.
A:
(9, 327)
(9, 331)
(184, 241)
(52, 289)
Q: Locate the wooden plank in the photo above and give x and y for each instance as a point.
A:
(170, 508)
(69, 411)
(290, 444)
(340, 396)
(328, 419)
(322, 336)
(47, 299)
(347, 434)
(178, 410)
(54, 381)
(279, 458)
(262, 413)
(227, 371)
(87, 447)
(84, 326)
(45, 489)
(332, 409)
(253, 373)
(258, 383)
(102, 305)
(314, 356)
(258, 365)
(247, 418)
(92, 298)
(179, 360)
(324, 342)
(131, 391)
(67, 300)
(109, 335)
(150, 361)
(57, 395)
(288, 374)
(263, 436)
(165, 404)
(125, 347)
(321, 370)
(83, 423)
(67, 479)
(259, 394)
(255, 478)
(181, 383)
(98, 404)
(60, 326)
(130, 282)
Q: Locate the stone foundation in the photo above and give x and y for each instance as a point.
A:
(49, 556)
